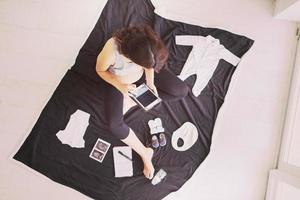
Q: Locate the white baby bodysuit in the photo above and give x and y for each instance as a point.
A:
(203, 59)
(75, 129)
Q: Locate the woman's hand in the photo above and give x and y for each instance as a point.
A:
(125, 88)
(152, 87)
(149, 72)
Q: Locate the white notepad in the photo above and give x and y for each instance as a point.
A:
(123, 161)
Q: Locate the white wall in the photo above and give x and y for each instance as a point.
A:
(284, 182)
(283, 186)
(287, 9)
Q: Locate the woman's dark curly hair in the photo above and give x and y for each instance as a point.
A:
(142, 45)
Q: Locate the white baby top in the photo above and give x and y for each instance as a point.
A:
(122, 68)
(75, 130)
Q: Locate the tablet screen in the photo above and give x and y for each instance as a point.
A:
(146, 98)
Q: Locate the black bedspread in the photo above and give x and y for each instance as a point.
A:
(81, 89)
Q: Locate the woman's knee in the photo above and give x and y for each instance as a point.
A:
(184, 90)
(119, 130)
(181, 90)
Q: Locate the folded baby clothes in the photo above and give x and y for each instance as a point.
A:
(155, 126)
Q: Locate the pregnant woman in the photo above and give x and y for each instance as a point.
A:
(125, 57)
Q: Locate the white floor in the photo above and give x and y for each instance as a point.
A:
(40, 39)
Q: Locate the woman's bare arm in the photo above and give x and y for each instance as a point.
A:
(149, 73)
(104, 60)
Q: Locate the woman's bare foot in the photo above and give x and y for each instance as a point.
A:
(148, 166)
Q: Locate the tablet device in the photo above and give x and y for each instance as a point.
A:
(144, 97)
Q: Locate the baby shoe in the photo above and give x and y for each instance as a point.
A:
(154, 141)
(159, 176)
(162, 139)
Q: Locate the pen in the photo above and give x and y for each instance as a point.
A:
(120, 152)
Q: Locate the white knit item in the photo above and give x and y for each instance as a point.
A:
(155, 126)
